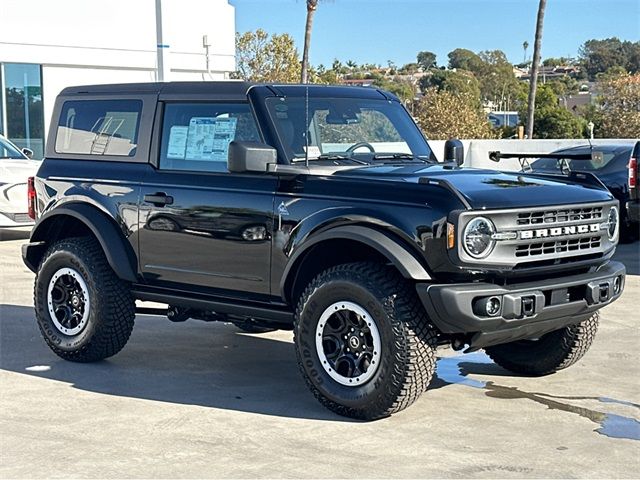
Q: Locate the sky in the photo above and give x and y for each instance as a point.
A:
(376, 31)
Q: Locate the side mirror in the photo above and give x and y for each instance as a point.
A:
(454, 151)
(250, 157)
(28, 152)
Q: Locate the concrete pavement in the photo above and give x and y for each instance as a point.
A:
(200, 400)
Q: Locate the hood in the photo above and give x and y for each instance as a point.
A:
(489, 188)
(17, 171)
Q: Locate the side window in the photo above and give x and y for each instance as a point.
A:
(196, 136)
(99, 127)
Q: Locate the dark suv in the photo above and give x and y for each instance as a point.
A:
(314, 208)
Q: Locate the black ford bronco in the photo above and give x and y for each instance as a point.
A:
(315, 208)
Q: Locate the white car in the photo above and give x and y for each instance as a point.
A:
(16, 166)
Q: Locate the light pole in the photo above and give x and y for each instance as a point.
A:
(162, 49)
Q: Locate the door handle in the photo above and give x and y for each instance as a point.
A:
(159, 199)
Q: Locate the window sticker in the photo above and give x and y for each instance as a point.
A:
(224, 133)
(209, 138)
(177, 142)
(199, 144)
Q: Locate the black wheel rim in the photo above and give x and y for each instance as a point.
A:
(68, 301)
(348, 343)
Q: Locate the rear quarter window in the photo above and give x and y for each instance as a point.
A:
(99, 127)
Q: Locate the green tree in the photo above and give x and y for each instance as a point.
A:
(443, 115)
(551, 120)
(497, 82)
(555, 61)
(564, 86)
(264, 58)
(465, 59)
(409, 68)
(426, 60)
(598, 56)
(557, 122)
(454, 81)
(401, 88)
(495, 74)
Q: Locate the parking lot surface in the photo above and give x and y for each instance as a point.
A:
(204, 400)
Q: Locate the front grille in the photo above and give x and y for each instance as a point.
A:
(558, 246)
(543, 217)
(532, 237)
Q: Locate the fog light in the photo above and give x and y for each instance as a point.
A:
(617, 285)
(492, 306)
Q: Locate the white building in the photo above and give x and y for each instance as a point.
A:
(47, 45)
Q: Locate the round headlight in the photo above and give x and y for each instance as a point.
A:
(612, 228)
(477, 237)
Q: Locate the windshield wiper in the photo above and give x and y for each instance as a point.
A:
(331, 156)
(399, 156)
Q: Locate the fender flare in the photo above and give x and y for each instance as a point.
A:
(405, 261)
(118, 252)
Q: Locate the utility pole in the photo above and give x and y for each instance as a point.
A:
(162, 49)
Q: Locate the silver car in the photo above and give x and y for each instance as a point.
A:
(16, 166)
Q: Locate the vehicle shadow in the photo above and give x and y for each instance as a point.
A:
(7, 234)
(197, 363)
(211, 365)
(629, 255)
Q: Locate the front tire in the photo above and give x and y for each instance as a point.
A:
(84, 311)
(363, 342)
(551, 352)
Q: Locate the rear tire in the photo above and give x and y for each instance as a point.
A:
(551, 352)
(84, 311)
(366, 309)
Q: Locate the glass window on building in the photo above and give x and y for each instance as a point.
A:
(23, 106)
(2, 132)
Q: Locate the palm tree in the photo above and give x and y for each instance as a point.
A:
(312, 6)
(533, 75)
(525, 46)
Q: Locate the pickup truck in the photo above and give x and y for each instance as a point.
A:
(319, 209)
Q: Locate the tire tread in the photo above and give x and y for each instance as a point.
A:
(115, 321)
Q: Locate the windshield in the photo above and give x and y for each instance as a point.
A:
(345, 127)
(8, 151)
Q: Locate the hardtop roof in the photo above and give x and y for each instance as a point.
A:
(227, 89)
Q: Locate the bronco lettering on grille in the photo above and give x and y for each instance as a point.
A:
(559, 231)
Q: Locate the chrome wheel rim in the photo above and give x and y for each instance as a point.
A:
(348, 343)
(68, 301)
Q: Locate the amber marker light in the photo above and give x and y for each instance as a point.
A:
(451, 236)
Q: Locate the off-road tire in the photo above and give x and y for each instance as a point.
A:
(408, 340)
(111, 308)
(551, 352)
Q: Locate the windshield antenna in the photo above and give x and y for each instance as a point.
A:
(306, 125)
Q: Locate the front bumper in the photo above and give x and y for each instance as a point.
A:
(527, 310)
(633, 208)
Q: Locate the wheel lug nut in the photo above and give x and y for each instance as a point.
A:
(361, 334)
